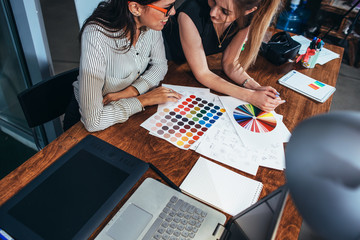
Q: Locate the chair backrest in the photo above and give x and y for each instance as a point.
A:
(49, 99)
(84, 8)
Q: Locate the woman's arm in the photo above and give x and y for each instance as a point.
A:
(230, 63)
(157, 67)
(92, 73)
(196, 58)
(115, 96)
(232, 67)
(151, 77)
(94, 115)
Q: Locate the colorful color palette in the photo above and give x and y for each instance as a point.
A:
(185, 123)
(254, 119)
(316, 85)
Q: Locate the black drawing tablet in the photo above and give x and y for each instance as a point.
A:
(73, 196)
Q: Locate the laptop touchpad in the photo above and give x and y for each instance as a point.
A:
(130, 224)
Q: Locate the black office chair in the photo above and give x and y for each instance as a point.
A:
(47, 100)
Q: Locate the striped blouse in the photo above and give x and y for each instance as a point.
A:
(105, 69)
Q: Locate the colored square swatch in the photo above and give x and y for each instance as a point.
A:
(313, 86)
(184, 124)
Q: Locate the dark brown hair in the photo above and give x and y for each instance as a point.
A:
(114, 15)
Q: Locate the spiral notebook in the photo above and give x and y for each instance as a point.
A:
(220, 187)
(307, 86)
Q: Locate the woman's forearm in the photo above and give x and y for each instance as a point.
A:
(236, 73)
(218, 84)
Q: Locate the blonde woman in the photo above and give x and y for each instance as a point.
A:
(204, 27)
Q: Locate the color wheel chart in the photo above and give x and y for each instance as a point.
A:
(185, 123)
(254, 119)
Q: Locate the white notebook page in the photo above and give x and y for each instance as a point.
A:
(221, 187)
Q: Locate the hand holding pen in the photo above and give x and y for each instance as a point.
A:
(266, 98)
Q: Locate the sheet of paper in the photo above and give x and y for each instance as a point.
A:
(221, 187)
(272, 157)
(185, 122)
(257, 129)
(303, 41)
(222, 143)
(214, 99)
(187, 91)
(325, 54)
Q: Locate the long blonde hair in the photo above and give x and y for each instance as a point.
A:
(261, 19)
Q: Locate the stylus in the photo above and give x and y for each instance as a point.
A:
(166, 179)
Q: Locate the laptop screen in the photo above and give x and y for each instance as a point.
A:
(260, 221)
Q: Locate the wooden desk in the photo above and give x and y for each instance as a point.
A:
(174, 162)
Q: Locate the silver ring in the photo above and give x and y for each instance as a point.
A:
(170, 90)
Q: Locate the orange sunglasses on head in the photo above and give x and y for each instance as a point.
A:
(164, 10)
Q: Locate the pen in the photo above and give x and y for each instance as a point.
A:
(165, 178)
(313, 42)
(320, 44)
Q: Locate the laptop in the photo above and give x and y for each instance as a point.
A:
(156, 211)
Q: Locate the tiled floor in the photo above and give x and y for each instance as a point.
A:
(347, 89)
(62, 30)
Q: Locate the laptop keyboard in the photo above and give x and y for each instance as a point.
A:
(179, 220)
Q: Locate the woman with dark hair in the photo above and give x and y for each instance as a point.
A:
(204, 27)
(122, 58)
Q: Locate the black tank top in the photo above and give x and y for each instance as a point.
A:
(199, 12)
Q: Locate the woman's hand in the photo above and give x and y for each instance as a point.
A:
(266, 98)
(110, 97)
(126, 93)
(269, 89)
(158, 96)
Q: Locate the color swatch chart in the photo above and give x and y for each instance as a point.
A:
(316, 85)
(184, 124)
(254, 119)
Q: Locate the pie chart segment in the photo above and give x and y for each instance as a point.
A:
(254, 119)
